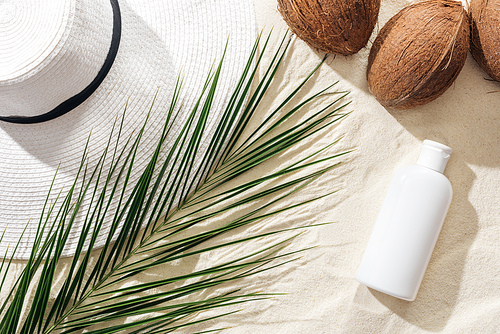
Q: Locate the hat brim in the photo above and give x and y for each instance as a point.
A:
(160, 40)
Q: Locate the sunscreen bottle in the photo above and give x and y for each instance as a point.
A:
(408, 225)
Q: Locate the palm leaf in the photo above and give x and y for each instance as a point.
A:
(171, 215)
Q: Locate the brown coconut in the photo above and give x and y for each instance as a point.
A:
(485, 35)
(418, 53)
(334, 26)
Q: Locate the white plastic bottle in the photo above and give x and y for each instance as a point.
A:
(408, 225)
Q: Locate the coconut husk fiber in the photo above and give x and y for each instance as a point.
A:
(334, 26)
(485, 35)
(418, 54)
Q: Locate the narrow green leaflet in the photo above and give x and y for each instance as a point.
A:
(172, 214)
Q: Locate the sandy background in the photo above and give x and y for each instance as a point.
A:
(460, 292)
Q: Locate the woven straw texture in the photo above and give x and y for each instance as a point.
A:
(160, 39)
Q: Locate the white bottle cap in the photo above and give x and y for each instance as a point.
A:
(434, 155)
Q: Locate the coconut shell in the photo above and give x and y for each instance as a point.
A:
(334, 26)
(485, 35)
(418, 53)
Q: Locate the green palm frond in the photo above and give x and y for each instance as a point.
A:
(172, 215)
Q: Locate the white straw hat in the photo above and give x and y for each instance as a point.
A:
(68, 68)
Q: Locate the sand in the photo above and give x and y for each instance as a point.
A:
(460, 292)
